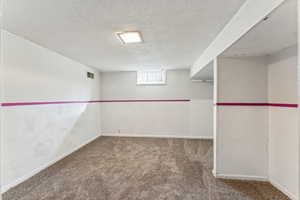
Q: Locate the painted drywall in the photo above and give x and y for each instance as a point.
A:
(242, 80)
(252, 12)
(241, 132)
(298, 89)
(261, 142)
(161, 119)
(36, 136)
(215, 113)
(1, 97)
(283, 122)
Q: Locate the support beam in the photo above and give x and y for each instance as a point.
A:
(252, 12)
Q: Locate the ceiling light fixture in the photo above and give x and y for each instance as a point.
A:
(130, 37)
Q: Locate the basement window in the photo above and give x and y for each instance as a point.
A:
(151, 77)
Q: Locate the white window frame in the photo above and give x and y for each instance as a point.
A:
(140, 81)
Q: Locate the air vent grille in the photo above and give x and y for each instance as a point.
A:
(90, 75)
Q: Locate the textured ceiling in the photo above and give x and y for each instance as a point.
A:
(278, 32)
(176, 32)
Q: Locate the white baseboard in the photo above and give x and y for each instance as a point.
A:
(241, 177)
(157, 136)
(257, 178)
(283, 189)
(36, 171)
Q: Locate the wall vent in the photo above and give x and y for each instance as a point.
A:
(90, 75)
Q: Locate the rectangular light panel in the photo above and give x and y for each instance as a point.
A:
(130, 37)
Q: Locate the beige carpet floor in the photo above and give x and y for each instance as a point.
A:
(112, 168)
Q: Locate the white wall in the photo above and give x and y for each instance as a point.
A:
(38, 135)
(1, 94)
(242, 80)
(169, 119)
(258, 142)
(283, 122)
(241, 138)
(298, 90)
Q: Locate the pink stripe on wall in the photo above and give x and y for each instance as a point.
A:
(259, 104)
(143, 100)
(43, 103)
(242, 104)
(148, 100)
(93, 101)
(283, 105)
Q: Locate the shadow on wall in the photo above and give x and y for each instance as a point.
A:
(37, 136)
(85, 128)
